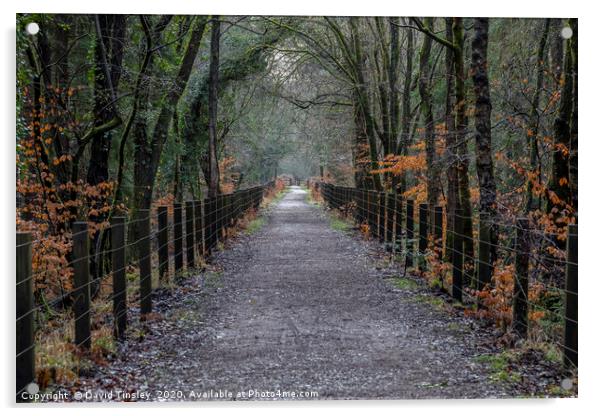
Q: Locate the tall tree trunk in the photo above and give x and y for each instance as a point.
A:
(148, 147)
(108, 52)
(450, 143)
(152, 36)
(556, 50)
(432, 174)
(461, 127)
(484, 163)
(360, 153)
(177, 171)
(406, 98)
(559, 181)
(393, 79)
(213, 185)
(148, 150)
(386, 54)
(195, 128)
(534, 202)
(62, 80)
(382, 67)
(361, 90)
(573, 145)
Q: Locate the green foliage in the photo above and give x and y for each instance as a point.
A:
(279, 196)
(255, 225)
(213, 280)
(499, 365)
(433, 301)
(339, 224)
(404, 283)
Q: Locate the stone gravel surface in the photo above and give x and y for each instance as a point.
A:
(299, 310)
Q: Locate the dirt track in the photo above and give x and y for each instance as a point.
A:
(301, 307)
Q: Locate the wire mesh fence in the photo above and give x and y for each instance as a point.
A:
(152, 240)
(469, 276)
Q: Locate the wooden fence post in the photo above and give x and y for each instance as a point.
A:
(358, 205)
(520, 307)
(382, 227)
(25, 361)
(235, 207)
(198, 226)
(374, 204)
(409, 233)
(365, 206)
(213, 223)
(399, 223)
(177, 239)
(144, 261)
(119, 281)
(81, 281)
(438, 237)
(221, 219)
(206, 226)
(356, 193)
(484, 265)
(219, 212)
(369, 211)
(331, 192)
(457, 256)
(163, 250)
(390, 236)
(189, 235)
(259, 197)
(423, 212)
(571, 291)
(229, 216)
(230, 205)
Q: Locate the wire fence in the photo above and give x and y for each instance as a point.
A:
(168, 234)
(465, 271)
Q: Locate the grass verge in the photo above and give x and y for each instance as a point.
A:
(255, 225)
(499, 366)
(339, 224)
(403, 283)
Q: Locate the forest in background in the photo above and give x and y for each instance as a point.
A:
(116, 113)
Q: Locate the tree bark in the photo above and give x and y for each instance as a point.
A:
(361, 90)
(484, 162)
(213, 185)
(108, 52)
(361, 147)
(393, 79)
(432, 174)
(573, 145)
(460, 133)
(559, 181)
(148, 152)
(406, 98)
(195, 128)
(556, 50)
(450, 144)
(534, 202)
(62, 80)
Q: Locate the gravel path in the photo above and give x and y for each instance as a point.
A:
(299, 307)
